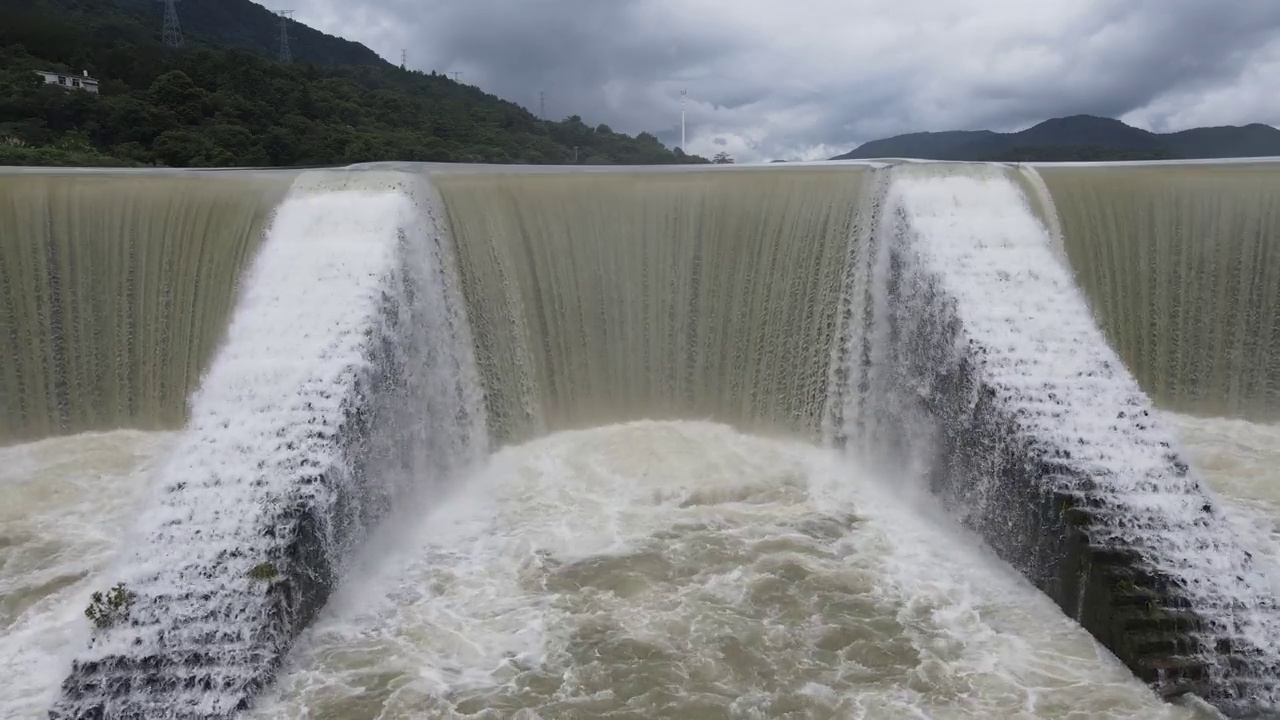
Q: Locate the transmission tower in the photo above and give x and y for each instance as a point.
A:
(285, 55)
(172, 30)
(404, 59)
(542, 104)
(683, 94)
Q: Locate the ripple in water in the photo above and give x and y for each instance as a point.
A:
(651, 570)
(65, 504)
(682, 570)
(1240, 461)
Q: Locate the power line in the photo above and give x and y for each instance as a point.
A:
(172, 29)
(286, 56)
(682, 94)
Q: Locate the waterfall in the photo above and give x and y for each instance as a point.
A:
(114, 292)
(1002, 335)
(605, 297)
(346, 381)
(1182, 268)
(981, 366)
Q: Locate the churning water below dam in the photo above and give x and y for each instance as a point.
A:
(839, 441)
(645, 570)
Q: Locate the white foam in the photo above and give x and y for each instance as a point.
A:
(1240, 460)
(972, 234)
(63, 502)
(348, 316)
(293, 353)
(679, 539)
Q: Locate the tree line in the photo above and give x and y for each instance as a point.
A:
(217, 107)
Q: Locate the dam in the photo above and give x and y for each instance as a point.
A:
(832, 440)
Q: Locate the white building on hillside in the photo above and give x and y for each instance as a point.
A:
(69, 81)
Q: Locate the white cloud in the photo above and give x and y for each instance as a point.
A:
(1253, 95)
(797, 78)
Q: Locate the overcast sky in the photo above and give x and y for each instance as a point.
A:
(806, 79)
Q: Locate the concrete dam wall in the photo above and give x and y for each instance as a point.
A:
(334, 341)
(116, 291)
(1182, 270)
(607, 297)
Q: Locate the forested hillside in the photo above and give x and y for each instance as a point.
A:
(223, 100)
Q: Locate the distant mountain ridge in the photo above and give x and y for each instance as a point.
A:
(1078, 137)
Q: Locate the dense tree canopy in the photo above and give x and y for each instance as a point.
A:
(211, 106)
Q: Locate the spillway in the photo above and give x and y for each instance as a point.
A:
(980, 351)
(598, 298)
(964, 329)
(1182, 270)
(335, 388)
(117, 289)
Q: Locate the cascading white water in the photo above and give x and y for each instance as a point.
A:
(429, 602)
(982, 353)
(685, 570)
(346, 382)
(63, 501)
(638, 555)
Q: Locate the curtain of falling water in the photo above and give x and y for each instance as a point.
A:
(114, 290)
(1182, 266)
(603, 297)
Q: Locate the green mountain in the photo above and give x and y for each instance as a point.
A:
(223, 99)
(1079, 137)
(248, 26)
(240, 24)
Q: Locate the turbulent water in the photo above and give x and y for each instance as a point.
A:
(1240, 460)
(65, 504)
(650, 570)
(394, 323)
(342, 381)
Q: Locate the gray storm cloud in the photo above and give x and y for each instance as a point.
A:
(807, 79)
